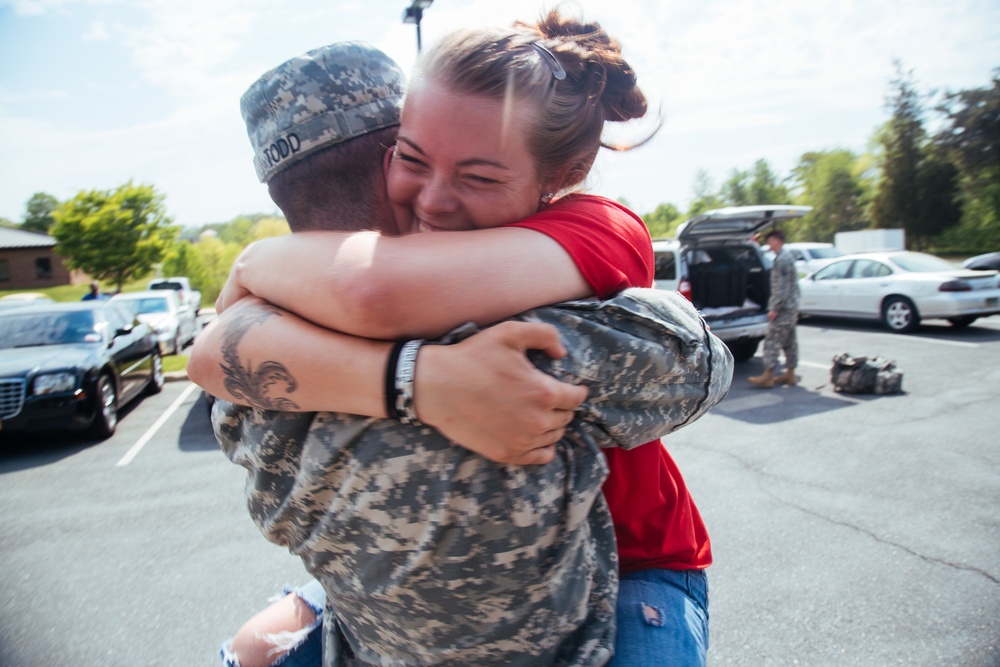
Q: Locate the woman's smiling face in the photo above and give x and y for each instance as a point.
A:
(457, 165)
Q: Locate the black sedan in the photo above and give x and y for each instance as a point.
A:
(73, 365)
(990, 260)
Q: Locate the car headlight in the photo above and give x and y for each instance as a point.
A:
(52, 383)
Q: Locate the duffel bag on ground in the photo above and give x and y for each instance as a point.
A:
(865, 375)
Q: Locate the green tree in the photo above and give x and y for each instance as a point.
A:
(895, 201)
(268, 227)
(114, 235)
(182, 260)
(754, 187)
(919, 188)
(940, 207)
(662, 222)
(830, 182)
(38, 216)
(735, 190)
(705, 196)
(765, 187)
(971, 137)
(239, 230)
(216, 258)
(972, 133)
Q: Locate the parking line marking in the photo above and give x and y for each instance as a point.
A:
(955, 343)
(151, 431)
(923, 339)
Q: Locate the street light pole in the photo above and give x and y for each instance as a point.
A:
(414, 13)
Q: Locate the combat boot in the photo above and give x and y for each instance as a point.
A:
(766, 380)
(788, 377)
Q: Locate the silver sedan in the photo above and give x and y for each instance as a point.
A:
(900, 288)
(173, 322)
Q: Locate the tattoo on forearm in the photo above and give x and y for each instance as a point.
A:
(245, 383)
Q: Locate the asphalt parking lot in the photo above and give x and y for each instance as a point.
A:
(847, 530)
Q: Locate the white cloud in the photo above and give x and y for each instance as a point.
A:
(28, 7)
(97, 31)
(183, 44)
(42, 7)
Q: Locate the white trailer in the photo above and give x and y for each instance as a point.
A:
(869, 240)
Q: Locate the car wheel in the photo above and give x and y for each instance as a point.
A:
(106, 412)
(178, 343)
(156, 380)
(743, 350)
(900, 315)
(962, 322)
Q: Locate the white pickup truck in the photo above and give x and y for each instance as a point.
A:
(186, 294)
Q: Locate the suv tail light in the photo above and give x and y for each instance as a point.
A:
(684, 287)
(955, 286)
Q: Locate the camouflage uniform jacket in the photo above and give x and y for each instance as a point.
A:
(784, 283)
(433, 555)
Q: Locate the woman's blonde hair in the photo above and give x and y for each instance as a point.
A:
(571, 74)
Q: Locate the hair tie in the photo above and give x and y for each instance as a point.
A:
(550, 59)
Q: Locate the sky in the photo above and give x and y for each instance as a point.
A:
(95, 93)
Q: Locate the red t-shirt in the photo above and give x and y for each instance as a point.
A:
(656, 522)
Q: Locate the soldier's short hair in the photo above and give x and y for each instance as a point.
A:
(321, 98)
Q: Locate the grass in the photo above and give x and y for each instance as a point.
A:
(174, 362)
(76, 292)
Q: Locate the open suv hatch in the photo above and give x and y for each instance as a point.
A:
(715, 263)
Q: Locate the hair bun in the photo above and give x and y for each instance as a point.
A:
(587, 51)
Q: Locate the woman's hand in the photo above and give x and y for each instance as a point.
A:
(485, 395)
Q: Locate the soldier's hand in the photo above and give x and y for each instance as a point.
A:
(486, 396)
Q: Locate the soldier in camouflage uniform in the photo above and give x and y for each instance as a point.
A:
(783, 312)
(429, 553)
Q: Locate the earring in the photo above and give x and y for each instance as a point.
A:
(547, 197)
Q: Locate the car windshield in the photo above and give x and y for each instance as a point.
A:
(147, 305)
(918, 262)
(31, 329)
(824, 253)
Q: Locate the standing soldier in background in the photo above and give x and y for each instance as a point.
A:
(783, 311)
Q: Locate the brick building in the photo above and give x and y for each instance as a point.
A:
(28, 261)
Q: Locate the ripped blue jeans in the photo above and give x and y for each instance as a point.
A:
(305, 648)
(662, 619)
(662, 622)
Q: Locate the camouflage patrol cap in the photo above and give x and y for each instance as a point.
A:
(321, 98)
